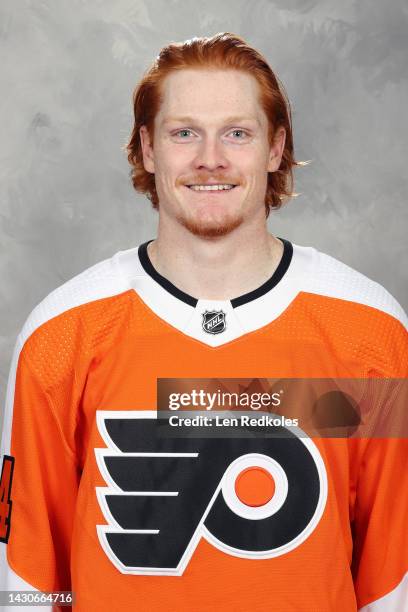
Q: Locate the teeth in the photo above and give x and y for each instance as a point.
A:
(210, 187)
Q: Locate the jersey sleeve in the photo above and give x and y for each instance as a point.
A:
(380, 559)
(39, 484)
(380, 513)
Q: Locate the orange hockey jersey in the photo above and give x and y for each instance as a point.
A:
(94, 500)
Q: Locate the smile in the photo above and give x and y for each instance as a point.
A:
(211, 187)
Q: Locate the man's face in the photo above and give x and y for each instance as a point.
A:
(210, 153)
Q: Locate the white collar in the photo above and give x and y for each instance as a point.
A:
(215, 322)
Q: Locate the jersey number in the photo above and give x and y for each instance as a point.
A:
(5, 498)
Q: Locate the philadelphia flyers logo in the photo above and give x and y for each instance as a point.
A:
(254, 497)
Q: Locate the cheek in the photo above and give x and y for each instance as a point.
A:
(254, 171)
(257, 181)
(172, 163)
(251, 161)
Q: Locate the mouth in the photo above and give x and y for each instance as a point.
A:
(213, 189)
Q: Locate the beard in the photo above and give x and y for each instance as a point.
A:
(209, 222)
(211, 227)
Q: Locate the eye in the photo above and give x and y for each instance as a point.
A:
(183, 133)
(239, 134)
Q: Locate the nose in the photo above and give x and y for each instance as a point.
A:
(210, 155)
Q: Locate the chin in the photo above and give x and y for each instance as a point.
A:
(211, 228)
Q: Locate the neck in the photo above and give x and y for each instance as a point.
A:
(219, 268)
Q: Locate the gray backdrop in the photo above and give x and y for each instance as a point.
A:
(67, 71)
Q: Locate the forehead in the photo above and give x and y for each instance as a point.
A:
(210, 94)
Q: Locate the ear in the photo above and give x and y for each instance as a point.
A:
(147, 149)
(276, 152)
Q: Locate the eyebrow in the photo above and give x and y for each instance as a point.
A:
(191, 120)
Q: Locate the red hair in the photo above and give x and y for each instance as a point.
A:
(224, 51)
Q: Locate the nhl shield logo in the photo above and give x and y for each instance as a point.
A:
(214, 321)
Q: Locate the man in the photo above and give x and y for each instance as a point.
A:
(101, 496)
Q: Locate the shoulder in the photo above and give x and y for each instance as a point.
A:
(357, 318)
(89, 289)
(325, 276)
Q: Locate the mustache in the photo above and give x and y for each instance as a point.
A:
(204, 178)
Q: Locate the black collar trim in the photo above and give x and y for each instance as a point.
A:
(166, 284)
(272, 281)
(235, 302)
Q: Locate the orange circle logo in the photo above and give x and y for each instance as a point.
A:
(254, 486)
